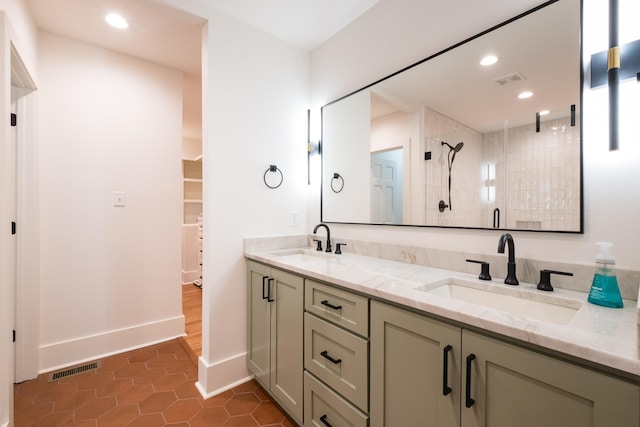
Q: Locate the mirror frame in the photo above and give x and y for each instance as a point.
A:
(442, 52)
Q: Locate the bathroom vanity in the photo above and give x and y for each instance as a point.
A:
(351, 340)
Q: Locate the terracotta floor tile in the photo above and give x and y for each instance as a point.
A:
(93, 380)
(54, 392)
(152, 420)
(129, 370)
(95, 408)
(135, 395)
(59, 419)
(241, 421)
(157, 402)
(119, 416)
(248, 387)
(34, 414)
(268, 413)
(84, 423)
(169, 382)
(242, 404)
(161, 360)
(115, 387)
(148, 376)
(113, 396)
(187, 390)
(182, 410)
(209, 417)
(73, 400)
(218, 399)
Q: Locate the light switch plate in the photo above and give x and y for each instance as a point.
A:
(119, 199)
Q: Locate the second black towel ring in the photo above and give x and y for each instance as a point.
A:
(334, 180)
(273, 168)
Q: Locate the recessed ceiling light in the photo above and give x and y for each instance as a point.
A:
(525, 95)
(488, 60)
(544, 112)
(116, 21)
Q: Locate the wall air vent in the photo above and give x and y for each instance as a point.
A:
(74, 371)
(509, 78)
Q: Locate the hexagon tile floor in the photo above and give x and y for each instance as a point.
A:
(152, 386)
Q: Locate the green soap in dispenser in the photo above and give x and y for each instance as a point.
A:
(604, 289)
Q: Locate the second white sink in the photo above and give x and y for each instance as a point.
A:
(520, 302)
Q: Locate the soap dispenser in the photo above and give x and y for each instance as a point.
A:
(604, 289)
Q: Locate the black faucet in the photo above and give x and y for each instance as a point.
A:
(328, 235)
(511, 278)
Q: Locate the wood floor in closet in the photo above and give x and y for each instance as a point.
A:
(192, 309)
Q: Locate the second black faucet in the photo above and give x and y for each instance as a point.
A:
(507, 239)
(328, 235)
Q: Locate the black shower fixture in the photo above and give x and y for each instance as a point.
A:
(450, 158)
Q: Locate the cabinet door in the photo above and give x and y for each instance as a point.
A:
(513, 386)
(408, 378)
(287, 340)
(258, 336)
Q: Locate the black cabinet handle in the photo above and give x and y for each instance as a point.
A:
(269, 282)
(328, 304)
(469, 401)
(264, 286)
(324, 421)
(445, 371)
(329, 358)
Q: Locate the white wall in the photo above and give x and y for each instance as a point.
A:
(403, 31)
(352, 136)
(23, 32)
(110, 276)
(256, 96)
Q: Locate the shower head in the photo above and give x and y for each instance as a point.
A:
(455, 149)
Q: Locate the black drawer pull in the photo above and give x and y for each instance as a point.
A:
(264, 286)
(324, 421)
(469, 401)
(329, 358)
(445, 371)
(328, 304)
(269, 282)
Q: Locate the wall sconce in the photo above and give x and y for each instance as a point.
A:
(312, 147)
(620, 63)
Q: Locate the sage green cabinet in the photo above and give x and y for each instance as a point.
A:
(275, 334)
(412, 367)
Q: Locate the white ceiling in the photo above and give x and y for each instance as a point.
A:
(163, 35)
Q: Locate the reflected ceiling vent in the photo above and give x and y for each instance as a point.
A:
(509, 78)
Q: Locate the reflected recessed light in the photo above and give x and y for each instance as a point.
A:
(525, 95)
(116, 21)
(544, 112)
(488, 60)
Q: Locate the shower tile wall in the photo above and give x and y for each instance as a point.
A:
(538, 192)
(466, 177)
(543, 184)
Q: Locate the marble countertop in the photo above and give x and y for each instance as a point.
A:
(605, 336)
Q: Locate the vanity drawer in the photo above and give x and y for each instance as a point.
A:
(344, 308)
(339, 358)
(322, 402)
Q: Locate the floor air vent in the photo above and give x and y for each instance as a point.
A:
(73, 371)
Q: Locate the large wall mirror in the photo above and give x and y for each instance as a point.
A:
(448, 142)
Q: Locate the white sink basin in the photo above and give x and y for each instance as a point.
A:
(302, 255)
(513, 300)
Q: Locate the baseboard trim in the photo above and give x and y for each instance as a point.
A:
(80, 350)
(189, 276)
(221, 376)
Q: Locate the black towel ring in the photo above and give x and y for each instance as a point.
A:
(273, 168)
(336, 177)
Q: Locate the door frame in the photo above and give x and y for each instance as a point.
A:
(28, 249)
